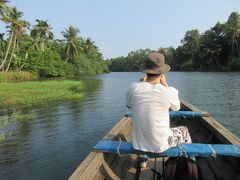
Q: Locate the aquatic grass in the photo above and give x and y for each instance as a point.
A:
(28, 93)
(2, 138)
(8, 122)
(22, 117)
(4, 122)
(17, 116)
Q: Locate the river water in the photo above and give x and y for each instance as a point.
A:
(63, 132)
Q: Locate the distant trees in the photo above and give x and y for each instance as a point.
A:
(38, 52)
(130, 63)
(215, 49)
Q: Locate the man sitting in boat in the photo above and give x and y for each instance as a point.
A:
(150, 101)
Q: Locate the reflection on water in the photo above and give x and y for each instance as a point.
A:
(63, 132)
(53, 144)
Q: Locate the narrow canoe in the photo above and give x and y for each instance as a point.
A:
(98, 165)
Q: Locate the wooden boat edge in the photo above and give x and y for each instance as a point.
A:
(95, 160)
(225, 135)
(98, 158)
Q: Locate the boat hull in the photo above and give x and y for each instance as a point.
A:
(98, 165)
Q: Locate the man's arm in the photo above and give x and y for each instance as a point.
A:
(175, 102)
(128, 98)
(129, 95)
(163, 80)
(174, 99)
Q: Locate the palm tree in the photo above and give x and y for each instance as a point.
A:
(7, 19)
(34, 43)
(4, 9)
(42, 32)
(88, 46)
(2, 44)
(19, 30)
(210, 48)
(71, 38)
(16, 28)
(233, 30)
(191, 41)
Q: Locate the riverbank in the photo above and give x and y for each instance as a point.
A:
(28, 93)
(16, 76)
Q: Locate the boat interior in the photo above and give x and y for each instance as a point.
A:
(207, 130)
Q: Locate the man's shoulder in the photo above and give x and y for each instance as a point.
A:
(167, 89)
(173, 90)
(134, 84)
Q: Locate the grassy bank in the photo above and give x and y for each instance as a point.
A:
(16, 76)
(28, 93)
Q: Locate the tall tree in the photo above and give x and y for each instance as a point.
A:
(191, 45)
(233, 30)
(34, 43)
(7, 19)
(89, 48)
(191, 41)
(4, 9)
(16, 28)
(71, 37)
(41, 32)
(88, 45)
(210, 50)
(2, 45)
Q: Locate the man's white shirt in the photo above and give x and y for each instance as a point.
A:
(150, 104)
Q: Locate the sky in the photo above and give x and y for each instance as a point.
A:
(121, 26)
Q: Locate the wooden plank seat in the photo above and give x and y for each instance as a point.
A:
(181, 114)
(183, 150)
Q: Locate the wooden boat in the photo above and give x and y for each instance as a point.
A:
(98, 165)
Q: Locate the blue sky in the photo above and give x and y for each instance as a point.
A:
(121, 26)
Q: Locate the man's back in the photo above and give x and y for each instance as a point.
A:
(150, 105)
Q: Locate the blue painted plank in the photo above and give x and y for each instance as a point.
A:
(180, 114)
(194, 149)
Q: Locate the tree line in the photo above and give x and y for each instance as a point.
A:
(33, 48)
(217, 49)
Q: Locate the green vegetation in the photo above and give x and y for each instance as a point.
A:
(39, 53)
(217, 49)
(28, 93)
(10, 120)
(20, 117)
(4, 122)
(2, 137)
(14, 76)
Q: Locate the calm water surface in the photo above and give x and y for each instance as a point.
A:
(62, 133)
